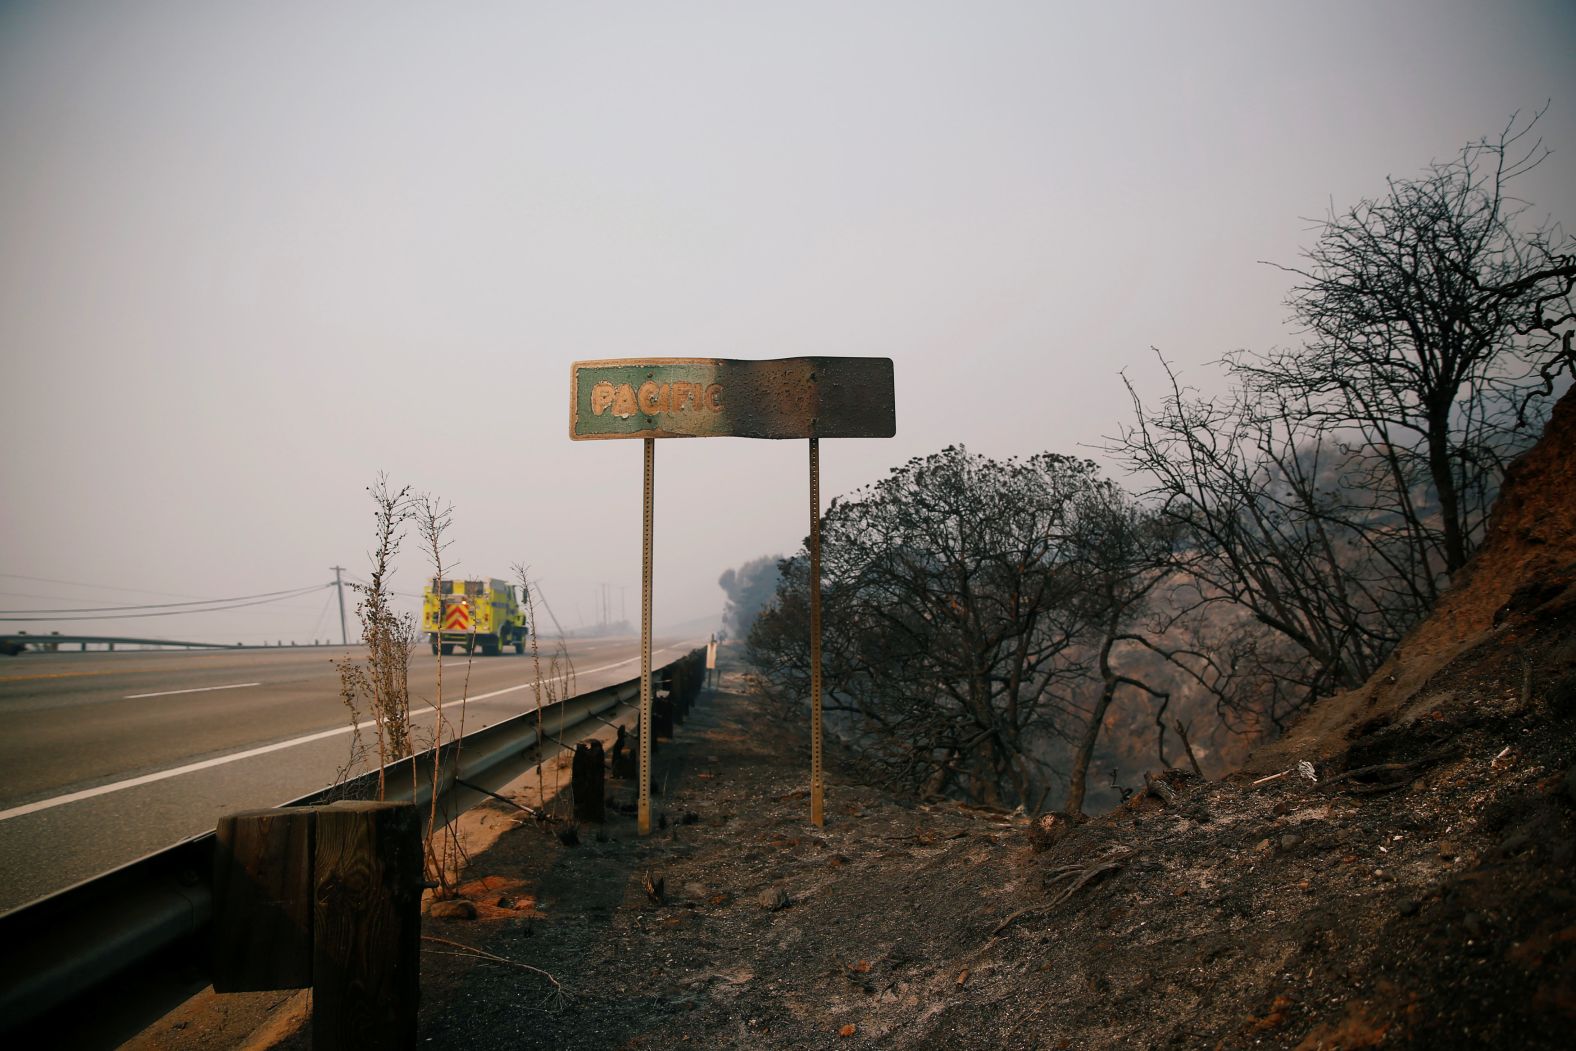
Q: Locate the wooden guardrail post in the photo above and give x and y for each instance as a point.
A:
(680, 689)
(366, 959)
(586, 784)
(327, 897)
(662, 716)
(262, 900)
(622, 764)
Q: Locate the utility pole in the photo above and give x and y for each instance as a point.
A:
(605, 606)
(344, 633)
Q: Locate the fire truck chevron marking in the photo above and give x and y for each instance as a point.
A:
(486, 615)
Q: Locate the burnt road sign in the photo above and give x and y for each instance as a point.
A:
(654, 398)
(721, 397)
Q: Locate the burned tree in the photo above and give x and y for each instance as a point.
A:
(1433, 313)
(1123, 553)
(962, 622)
(1331, 492)
(1272, 518)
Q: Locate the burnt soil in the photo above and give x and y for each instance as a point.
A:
(1398, 871)
(1424, 905)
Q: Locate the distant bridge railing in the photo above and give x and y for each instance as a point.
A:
(12, 644)
(127, 947)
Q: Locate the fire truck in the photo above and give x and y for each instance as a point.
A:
(474, 614)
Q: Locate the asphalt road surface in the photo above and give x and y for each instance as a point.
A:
(106, 757)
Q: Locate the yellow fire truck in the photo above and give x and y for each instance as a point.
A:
(474, 614)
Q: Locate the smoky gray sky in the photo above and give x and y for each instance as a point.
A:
(252, 254)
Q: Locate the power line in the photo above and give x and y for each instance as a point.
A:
(48, 614)
(327, 601)
(29, 594)
(98, 587)
(169, 605)
(362, 582)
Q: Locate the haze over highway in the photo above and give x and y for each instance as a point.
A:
(254, 254)
(110, 756)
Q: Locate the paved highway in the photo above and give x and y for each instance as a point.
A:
(105, 757)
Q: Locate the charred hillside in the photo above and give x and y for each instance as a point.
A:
(1499, 618)
(1417, 889)
(1398, 871)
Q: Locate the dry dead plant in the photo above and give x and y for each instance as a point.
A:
(555, 1000)
(441, 846)
(1071, 878)
(380, 683)
(536, 667)
(356, 759)
(549, 689)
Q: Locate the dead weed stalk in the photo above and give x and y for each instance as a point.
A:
(445, 857)
(380, 683)
(549, 689)
(557, 997)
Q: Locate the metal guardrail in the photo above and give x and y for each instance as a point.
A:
(130, 945)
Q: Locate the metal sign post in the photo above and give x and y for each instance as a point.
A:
(817, 815)
(645, 642)
(810, 398)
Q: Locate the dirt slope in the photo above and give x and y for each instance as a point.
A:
(1527, 561)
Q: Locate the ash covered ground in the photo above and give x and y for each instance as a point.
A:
(1416, 890)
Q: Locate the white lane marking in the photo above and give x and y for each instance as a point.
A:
(235, 757)
(200, 689)
(189, 768)
(472, 699)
